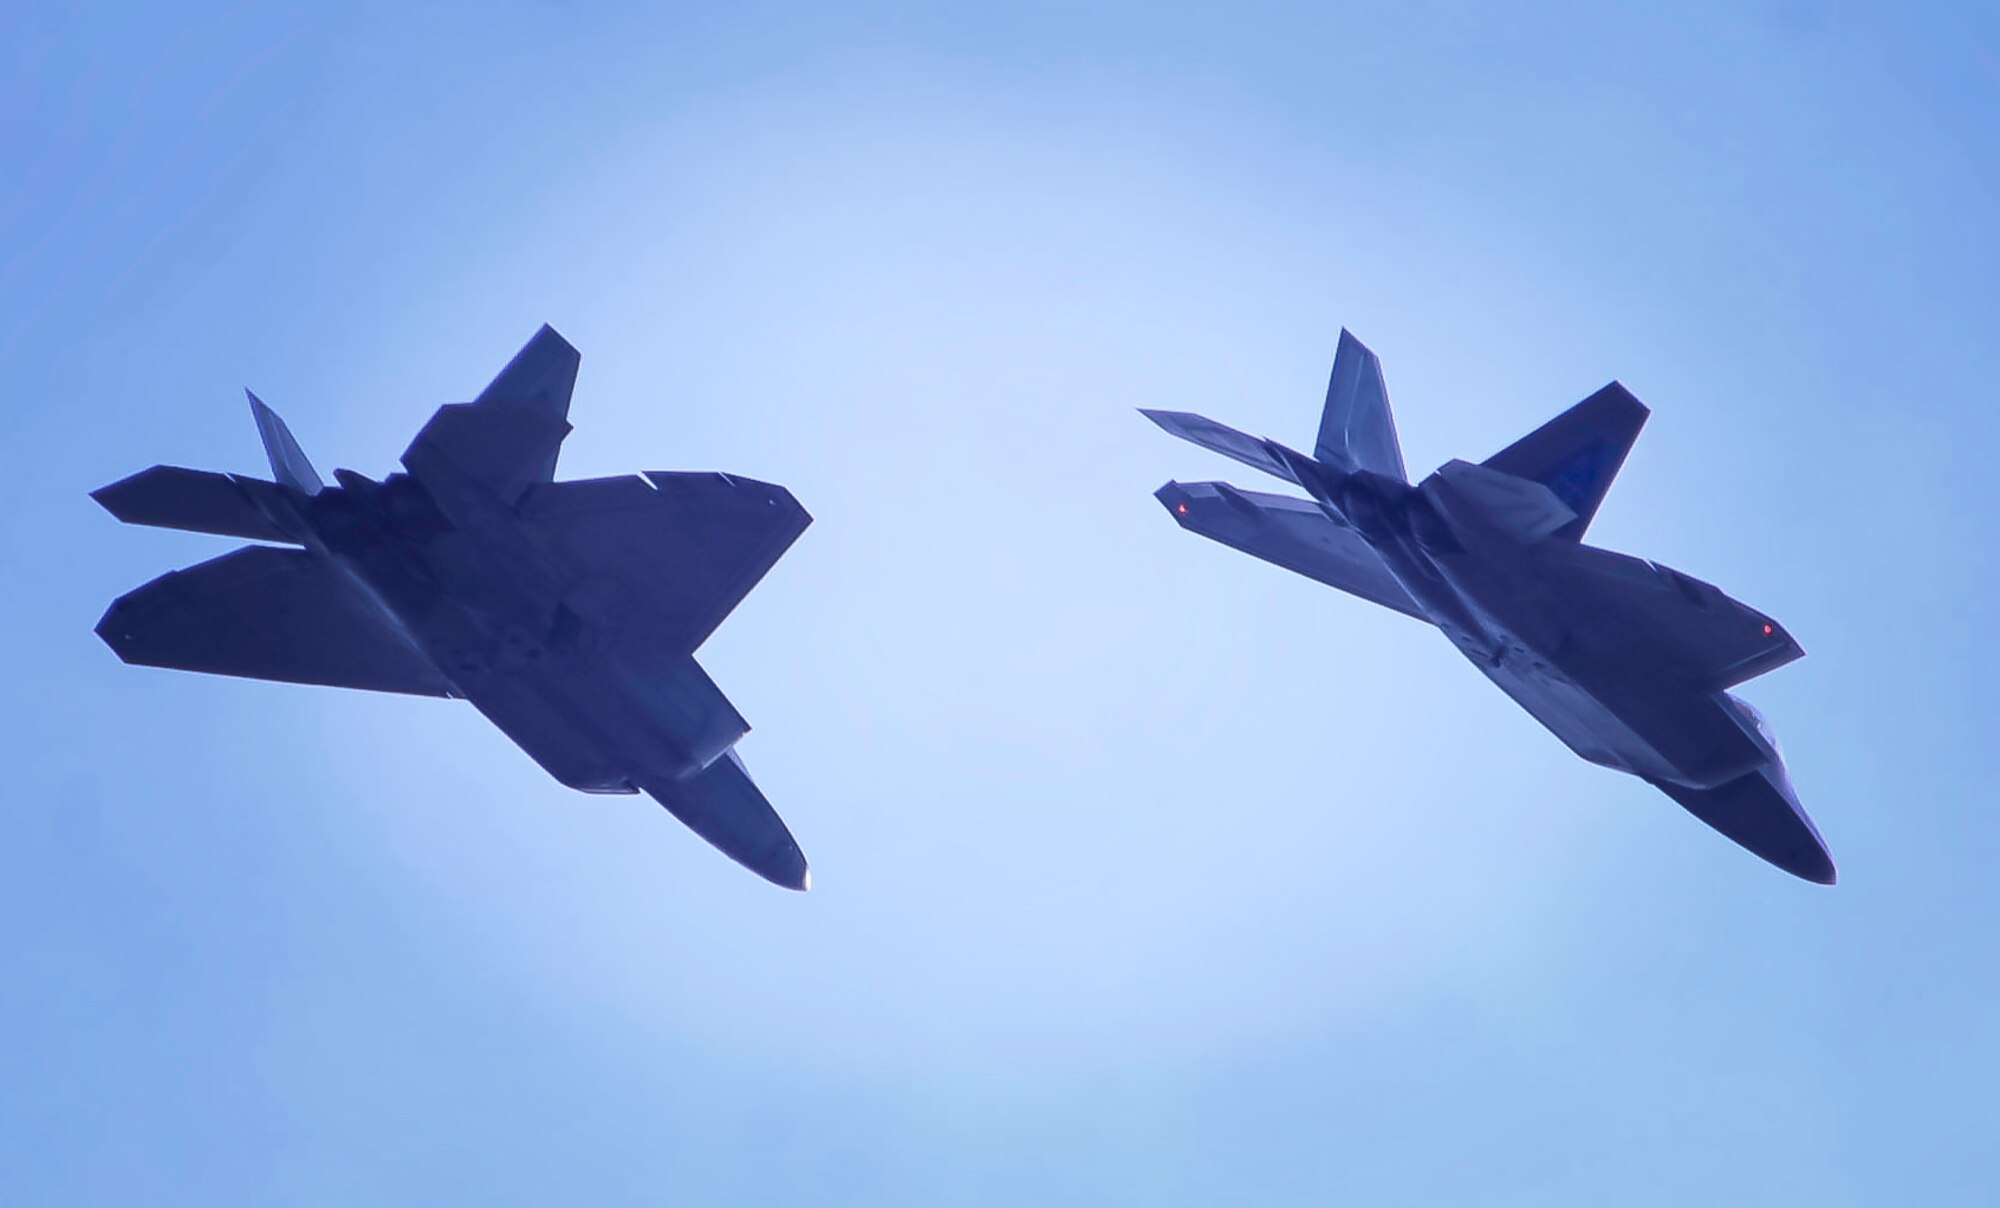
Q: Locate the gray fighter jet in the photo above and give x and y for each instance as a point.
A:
(1625, 660)
(566, 612)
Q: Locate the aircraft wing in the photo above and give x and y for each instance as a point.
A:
(1626, 607)
(724, 806)
(666, 555)
(1293, 533)
(266, 613)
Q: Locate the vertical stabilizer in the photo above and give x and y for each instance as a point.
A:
(1578, 453)
(507, 439)
(288, 461)
(542, 375)
(1357, 432)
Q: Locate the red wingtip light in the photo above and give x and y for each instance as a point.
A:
(1767, 631)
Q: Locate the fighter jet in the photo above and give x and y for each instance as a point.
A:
(1627, 661)
(565, 612)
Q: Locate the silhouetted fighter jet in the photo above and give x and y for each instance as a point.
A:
(566, 612)
(1627, 661)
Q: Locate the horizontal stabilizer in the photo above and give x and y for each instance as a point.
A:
(1220, 438)
(1293, 533)
(1760, 811)
(1357, 431)
(724, 806)
(1578, 453)
(266, 613)
(288, 462)
(199, 501)
(662, 557)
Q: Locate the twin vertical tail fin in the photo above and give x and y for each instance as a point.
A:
(542, 375)
(1577, 454)
(288, 462)
(506, 440)
(1357, 430)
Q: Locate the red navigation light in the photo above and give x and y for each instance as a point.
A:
(1182, 509)
(1767, 631)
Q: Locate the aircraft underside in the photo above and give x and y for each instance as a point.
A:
(1626, 661)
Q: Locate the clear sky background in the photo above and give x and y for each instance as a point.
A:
(1144, 872)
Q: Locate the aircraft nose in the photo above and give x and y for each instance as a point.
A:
(1760, 811)
(788, 869)
(783, 864)
(1815, 866)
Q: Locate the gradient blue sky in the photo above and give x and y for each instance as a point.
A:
(1145, 873)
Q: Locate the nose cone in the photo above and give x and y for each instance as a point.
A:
(723, 806)
(1819, 871)
(1759, 811)
(789, 870)
(780, 863)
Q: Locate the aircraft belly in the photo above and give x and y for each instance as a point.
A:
(1692, 738)
(604, 722)
(1605, 699)
(1583, 722)
(567, 746)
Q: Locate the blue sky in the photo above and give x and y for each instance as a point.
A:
(1143, 872)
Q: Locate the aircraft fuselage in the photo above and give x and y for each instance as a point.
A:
(489, 612)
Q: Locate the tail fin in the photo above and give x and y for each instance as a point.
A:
(288, 461)
(1578, 453)
(542, 375)
(508, 438)
(1357, 431)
